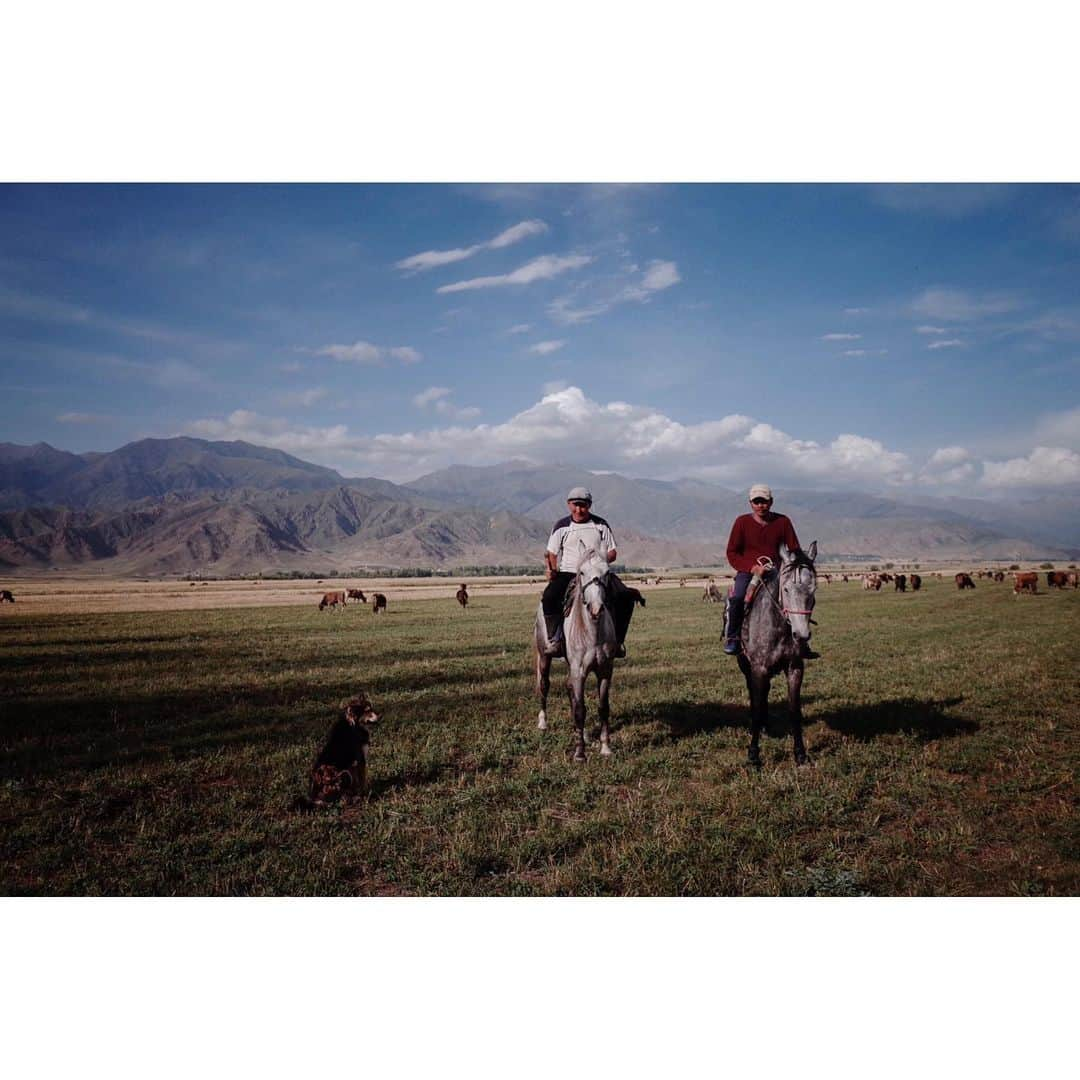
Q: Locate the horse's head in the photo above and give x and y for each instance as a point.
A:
(798, 581)
(592, 581)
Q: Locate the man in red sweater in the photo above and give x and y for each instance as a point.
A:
(753, 536)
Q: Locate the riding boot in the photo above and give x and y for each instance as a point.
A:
(554, 635)
(735, 609)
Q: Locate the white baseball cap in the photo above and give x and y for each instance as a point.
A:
(761, 491)
(579, 494)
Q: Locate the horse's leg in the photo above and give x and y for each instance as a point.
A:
(543, 683)
(759, 713)
(794, 687)
(576, 687)
(604, 681)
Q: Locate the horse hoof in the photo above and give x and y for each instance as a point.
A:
(754, 758)
(605, 750)
(541, 721)
(579, 755)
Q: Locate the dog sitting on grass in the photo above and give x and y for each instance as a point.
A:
(340, 770)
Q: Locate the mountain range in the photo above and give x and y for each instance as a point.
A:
(183, 504)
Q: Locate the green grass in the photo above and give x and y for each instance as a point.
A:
(159, 753)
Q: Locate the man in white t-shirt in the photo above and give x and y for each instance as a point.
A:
(563, 556)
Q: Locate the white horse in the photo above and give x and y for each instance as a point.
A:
(590, 645)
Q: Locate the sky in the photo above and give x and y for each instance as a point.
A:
(885, 338)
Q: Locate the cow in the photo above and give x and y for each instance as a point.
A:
(356, 594)
(6, 597)
(999, 575)
(1056, 579)
(713, 594)
(885, 578)
(916, 583)
(1026, 582)
(1073, 578)
(963, 581)
(379, 602)
(901, 582)
(463, 597)
(333, 600)
(872, 581)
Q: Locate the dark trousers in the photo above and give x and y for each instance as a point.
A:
(736, 606)
(622, 603)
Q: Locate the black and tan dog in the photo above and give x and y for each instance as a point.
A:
(340, 770)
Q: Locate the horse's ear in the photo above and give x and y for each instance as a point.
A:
(811, 551)
(786, 554)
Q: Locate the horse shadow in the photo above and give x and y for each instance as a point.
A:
(926, 721)
(685, 720)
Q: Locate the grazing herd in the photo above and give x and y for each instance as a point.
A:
(340, 598)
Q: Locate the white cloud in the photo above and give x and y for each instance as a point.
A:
(555, 386)
(520, 328)
(856, 310)
(959, 305)
(949, 465)
(1044, 467)
(439, 398)
(614, 435)
(432, 393)
(840, 337)
(951, 343)
(569, 310)
(540, 269)
(543, 348)
(430, 260)
(930, 330)
(363, 352)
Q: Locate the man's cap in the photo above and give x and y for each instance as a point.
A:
(579, 494)
(761, 491)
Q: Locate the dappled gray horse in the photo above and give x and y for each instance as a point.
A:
(773, 631)
(590, 645)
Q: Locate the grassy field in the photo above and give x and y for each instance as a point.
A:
(158, 753)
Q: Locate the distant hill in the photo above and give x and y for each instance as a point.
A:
(176, 505)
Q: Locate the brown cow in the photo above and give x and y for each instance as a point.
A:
(901, 582)
(999, 575)
(872, 581)
(963, 581)
(332, 599)
(916, 583)
(1026, 582)
(1056, 579)
(379, 602)
(5, 596)
(463, 597)
(356, 594)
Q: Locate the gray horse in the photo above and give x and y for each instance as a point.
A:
(773, 634)
(590, 645)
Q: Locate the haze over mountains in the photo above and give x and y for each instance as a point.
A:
(183, 504)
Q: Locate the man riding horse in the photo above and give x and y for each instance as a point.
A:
(753, 549)
(572, 537)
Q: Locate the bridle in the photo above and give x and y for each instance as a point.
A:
(766, 565)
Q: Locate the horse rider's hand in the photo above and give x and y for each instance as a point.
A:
(548, 573)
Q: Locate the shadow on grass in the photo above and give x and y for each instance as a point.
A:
(926, 720)
(685, 720)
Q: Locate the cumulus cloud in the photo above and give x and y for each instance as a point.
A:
(1044, 467)
(960, 305)
(540, 269)
(617, 435)
(363, 352)
(430, 260)
(840, 337)
(543, 348)
(949, 465)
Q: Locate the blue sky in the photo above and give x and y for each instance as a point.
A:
(919, 338)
